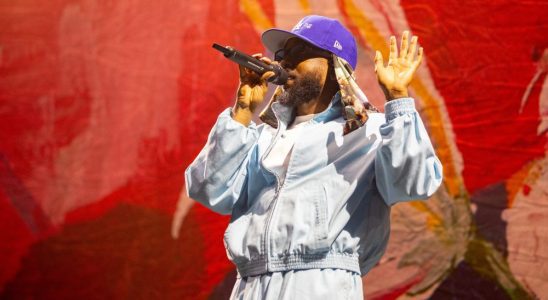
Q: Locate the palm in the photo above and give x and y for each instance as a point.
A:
(398, 73)
(396, 76)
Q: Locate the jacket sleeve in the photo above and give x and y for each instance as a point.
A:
(217, 176)
(406, 166)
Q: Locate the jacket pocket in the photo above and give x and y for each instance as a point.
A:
(234, 238)
(321, 242)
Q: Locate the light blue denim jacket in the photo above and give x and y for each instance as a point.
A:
(333, 209)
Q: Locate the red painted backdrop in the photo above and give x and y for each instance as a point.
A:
(103, 105)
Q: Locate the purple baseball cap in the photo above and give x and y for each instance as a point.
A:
(322, 32)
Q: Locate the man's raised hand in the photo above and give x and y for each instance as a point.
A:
(396, 76)
(251, 92)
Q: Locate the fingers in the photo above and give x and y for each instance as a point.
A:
(415, 64)
(412, 49)
(404, 44)
(267, 75)
(407, 50)
(268, 61)
(419, 58)
(244, 92)
(379, 64)
(249, 76)
(393, 50)
(262, 58)
(265, 59)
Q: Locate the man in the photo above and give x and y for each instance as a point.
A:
(310, 193)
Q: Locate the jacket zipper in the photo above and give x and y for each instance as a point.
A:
(266, 242)
(275, 199)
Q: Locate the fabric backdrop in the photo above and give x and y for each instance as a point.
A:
(103, 104)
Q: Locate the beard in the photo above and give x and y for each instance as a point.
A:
(304, 90)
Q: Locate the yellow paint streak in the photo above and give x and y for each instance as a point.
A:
(433, 220)
(368, 32)
(365, 27)
(528, 174)
(431, 110)
(256, 14)
(515, 183)
(305, 5)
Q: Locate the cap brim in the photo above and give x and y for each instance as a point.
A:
(274, 39)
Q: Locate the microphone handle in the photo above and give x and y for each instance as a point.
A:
(254, 64)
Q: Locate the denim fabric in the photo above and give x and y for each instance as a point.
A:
(332, 211)
(313, 284)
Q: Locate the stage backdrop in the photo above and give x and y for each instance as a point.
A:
(105, 103)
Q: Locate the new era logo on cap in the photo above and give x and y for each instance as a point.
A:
(302, 24)
(337, 45)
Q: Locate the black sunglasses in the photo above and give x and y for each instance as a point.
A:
(300, 51)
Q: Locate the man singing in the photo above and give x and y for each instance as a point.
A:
(310, 189)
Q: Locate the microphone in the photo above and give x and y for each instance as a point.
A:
(257, 66)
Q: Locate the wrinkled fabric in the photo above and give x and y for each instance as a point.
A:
(314, 284)
(333, 209)
(278, 159)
